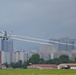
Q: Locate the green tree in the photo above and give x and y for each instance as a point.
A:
(34, 59)
(19, 64)
(53, 61)
(64, 59)
(50, 61)
(25, 64)
(12, 64)
(41, 61)
(56, 61)
(6, 64)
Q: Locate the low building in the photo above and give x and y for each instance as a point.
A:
(42, 66)
(65, 66)
(2, 66)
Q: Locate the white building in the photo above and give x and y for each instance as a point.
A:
(16, 56)
(22, 55)
(5, 57)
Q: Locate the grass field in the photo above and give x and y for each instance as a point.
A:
(37, 72)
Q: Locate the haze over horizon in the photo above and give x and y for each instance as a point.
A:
(38, 18)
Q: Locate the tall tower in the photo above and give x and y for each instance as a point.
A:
(6, 43)
(7, 48)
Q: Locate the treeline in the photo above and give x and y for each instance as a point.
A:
(18, 64)
(35, 59)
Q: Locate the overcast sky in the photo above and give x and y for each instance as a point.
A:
(38, 18)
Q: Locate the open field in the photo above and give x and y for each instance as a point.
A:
(36, 72)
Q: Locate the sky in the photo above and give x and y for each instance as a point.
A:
(43, 19)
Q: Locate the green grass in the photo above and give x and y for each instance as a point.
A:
(36, 72)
